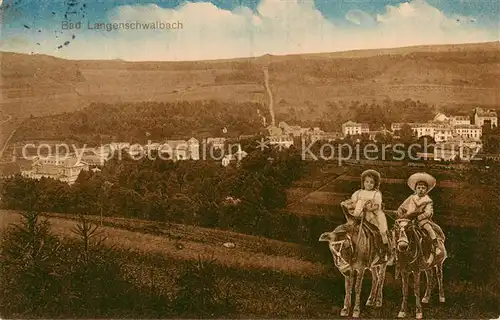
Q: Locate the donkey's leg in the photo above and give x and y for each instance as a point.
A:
(357, 302)
(416, 290)
(349, 278)
(439, 275)
(373, 292)
(380, 287)
(429, 276)
(404, 278)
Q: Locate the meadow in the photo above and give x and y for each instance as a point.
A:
(167, 269)
(155, 273)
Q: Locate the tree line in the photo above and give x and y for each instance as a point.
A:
(241, 197)
(137, 122)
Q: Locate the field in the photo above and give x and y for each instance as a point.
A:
(454, 75)
(271, 278)
(279, 282)
(320, 193)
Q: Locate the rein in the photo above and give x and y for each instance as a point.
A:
(338, 253)
(418, 244)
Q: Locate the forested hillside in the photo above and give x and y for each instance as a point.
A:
(138, 122)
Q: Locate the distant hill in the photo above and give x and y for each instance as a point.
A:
(450, 75)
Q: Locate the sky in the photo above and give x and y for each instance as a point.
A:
(219, 29)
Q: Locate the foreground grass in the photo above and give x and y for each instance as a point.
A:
(278, 294)
(256, 285)
(284, 257)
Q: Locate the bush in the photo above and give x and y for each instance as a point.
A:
(94, 276)
(199, 293)
(42, 276)
(30, 268)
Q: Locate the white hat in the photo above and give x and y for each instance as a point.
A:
(421, 176)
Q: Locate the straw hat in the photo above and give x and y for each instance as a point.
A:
(371, 172)
(421, 176)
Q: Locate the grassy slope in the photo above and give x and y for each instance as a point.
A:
(250, 252)
(264, 284)
(460, 74)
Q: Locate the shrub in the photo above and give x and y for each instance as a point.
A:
(199, 293)
(30, 271)
(42, 276)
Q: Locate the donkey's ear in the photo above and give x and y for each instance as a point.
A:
(325, 236)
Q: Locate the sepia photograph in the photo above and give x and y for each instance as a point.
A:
(249, 159)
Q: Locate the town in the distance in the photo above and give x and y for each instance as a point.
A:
(454, 138)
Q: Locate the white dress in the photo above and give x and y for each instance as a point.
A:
(360, 197)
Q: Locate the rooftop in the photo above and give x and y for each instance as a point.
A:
(355, 124)
(440, 117)
(467, 126)
(461, 117)
(485, 113)
(59, 161)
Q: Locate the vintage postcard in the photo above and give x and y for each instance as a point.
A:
(251, 159)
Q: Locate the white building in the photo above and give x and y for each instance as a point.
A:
(216, 143)
(354, 128)
(469, 131)
(425, 129)
(274, 130)
(443, 133)
(482, 117)
(65, 169)
(295, 131)
(459, 120)
(324, 136)
(281, 141)
(95, 156)
(441, 117)
(437, 130)
(396, 126)
(444, 128)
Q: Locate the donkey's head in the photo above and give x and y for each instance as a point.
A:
(340, 245)
(400, 236)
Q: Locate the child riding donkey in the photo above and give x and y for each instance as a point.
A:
(419, 205)
(355, 247)
(368, 200)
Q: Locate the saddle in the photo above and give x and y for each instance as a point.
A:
(352, 226)
(427, 246)
(437, 229)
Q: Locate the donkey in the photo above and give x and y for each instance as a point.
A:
(414, 254)
(354, 250)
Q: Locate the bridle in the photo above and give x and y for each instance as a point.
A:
(403, 237)
(338, 253)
